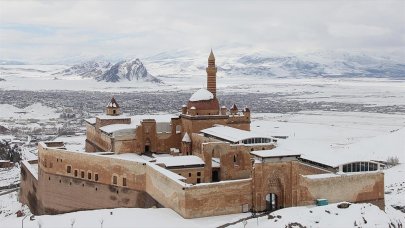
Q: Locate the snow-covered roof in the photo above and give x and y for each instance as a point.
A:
(91, 120)
(108, 117)
(117, 127)
(276, 152)
(113, 103)
(186, 138)
(176, 161)
(230, 134)
(127, 157)
(202, 95)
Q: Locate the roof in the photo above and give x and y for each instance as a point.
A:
(91, 120)
(116, 127)
(202, 95)
(176, 161)
(108, 117)
(234, 107)
(113, 103)
(186, 138)
(276, 152)
(230, 134)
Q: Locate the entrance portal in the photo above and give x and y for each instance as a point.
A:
(147, 145)
(215, 176)
(271, 202)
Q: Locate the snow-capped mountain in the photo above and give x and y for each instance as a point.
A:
(130, 70)
(88, 69)
(316, 64)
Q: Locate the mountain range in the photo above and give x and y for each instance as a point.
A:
(317, 64)
(125, 70)
(242, 62)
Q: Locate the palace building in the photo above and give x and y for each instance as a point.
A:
(203, 162)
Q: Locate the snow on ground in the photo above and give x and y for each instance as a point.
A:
(9, 176)
(34, 111)
(360, 215)
(394, 179)
(122, 217)
(9, 205)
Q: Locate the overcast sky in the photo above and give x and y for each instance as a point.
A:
(46, 30)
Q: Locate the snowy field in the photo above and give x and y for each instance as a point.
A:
(370, 91)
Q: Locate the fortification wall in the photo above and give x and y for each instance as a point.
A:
(56, 161)
(61, 194)
(362, 187)
(166, 188)
(220, 198)
(28, 193)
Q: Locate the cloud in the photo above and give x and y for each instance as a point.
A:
(45, 30)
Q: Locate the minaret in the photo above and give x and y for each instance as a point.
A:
(212, 75)
(113, 109)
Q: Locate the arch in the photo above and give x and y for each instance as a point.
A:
(147, 145)
(271, 202)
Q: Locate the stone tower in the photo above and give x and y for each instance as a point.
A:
(113, 109)
(212, 75)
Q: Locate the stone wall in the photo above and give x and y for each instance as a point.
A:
(221, 198)
(361, 187)
(28, 193)
(280, 178)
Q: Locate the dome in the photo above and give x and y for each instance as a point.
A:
(202, 95)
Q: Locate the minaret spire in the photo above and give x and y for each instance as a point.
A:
(212, 75)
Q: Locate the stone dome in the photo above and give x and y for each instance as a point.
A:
(202, 95)
(204, 102)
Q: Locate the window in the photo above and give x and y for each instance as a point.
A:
(362, 167)
(345, 168)
(234, 158)
(124, 181)
(75, 172)
(189, 174)
(69, 169)
(115, 180)
(96, 176)
(198, 180)
(89, 175)
(199, 174)
(82, 174)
